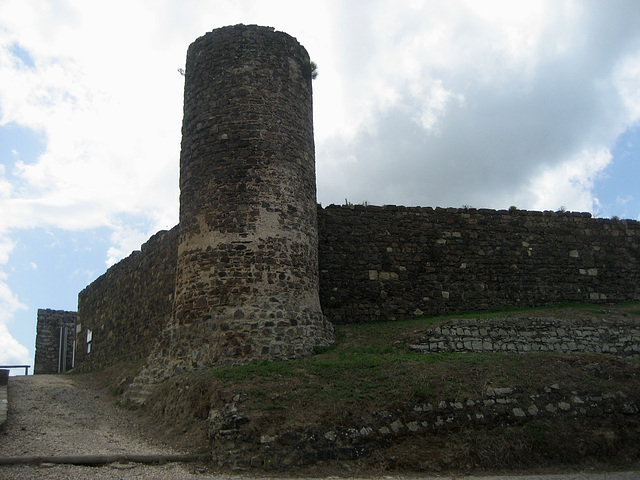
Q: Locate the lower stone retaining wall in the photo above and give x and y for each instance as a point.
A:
(237, 445)
(524, 335)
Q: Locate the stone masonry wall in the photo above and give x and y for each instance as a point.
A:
(380, 263)
(238, 444)
(525, 335)
(48, 346)
(126, 308)
(255, 269)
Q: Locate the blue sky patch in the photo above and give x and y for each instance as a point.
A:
(23, 55)
(617, 189)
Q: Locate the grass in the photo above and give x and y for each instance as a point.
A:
(370, 369)
(371, 362)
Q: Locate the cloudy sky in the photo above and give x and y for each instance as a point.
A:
(475, 103)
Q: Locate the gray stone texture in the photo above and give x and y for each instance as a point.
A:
(4, 398)
(50, 342)
(247, 265)
(526, 335)
(127, 307)
(393, 262)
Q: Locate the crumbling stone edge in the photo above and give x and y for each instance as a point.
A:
(236, 445)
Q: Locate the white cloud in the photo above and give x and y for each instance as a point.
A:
(126, 239)
(624, 200)
(11, 351)
(627, 78)
(569, 183)
(508, 90)
(508, 97)
(111, 118)
(6, 246)
(5, 186)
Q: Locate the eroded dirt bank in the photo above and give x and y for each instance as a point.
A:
(72, 415)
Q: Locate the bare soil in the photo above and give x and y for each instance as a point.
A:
(73, 416)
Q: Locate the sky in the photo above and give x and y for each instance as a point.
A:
(450, 103)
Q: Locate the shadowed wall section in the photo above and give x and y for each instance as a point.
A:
(393, 262)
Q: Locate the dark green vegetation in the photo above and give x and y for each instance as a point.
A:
(370, 369)
(371, 362)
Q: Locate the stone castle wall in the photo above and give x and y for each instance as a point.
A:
(123, 312)
(55, 335)
(385, 263)
(379, 263)
(254, 266)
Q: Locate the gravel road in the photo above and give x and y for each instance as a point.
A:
(56, 415)
(53, 415)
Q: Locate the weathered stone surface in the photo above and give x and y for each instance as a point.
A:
(392, 262)
(525, 335)
(247, 266)
(237, 443)
(126, 308)
(55, 334)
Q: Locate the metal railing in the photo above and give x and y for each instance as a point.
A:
(9, 367)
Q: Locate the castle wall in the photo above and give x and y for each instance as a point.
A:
(55, 334)
(121, 314)
(254, 266)
(384, 263)
(379, 263)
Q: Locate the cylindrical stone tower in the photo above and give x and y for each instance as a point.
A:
(247, 273)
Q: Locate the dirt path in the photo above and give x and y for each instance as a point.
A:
(53, 415)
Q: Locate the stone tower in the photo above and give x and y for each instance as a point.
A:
(247, 282)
